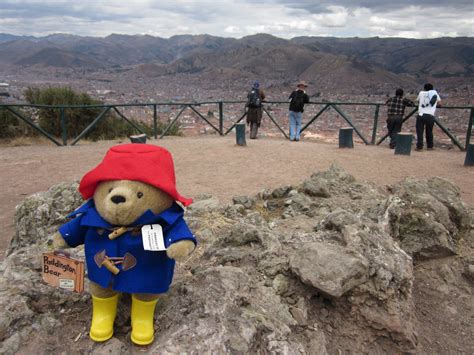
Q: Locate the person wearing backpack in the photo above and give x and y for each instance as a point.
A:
(255, 98)
(297, 100)
(428, 99)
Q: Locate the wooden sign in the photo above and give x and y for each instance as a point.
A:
(60, 270)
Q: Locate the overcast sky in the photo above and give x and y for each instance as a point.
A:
(225, 18)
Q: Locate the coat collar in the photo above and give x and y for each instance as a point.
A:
(92, 218)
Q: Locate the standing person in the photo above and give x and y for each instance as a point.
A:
(395, 111)
(254, 109)
(428, 99)
(297, 100)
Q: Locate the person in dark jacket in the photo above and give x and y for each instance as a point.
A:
(254, 109)
(297, 100)
(395, 112)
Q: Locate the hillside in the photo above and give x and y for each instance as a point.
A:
(439, 57)
(262, 53)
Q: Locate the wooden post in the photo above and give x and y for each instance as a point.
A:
(345, 137)
(240, 134)
(469, 161)
(221, 118)
(404, 141)
(139, 138)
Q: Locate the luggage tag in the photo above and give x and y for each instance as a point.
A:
(152, 236)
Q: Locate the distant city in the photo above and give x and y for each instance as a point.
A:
(143, 69)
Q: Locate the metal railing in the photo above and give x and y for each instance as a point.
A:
(181, 107)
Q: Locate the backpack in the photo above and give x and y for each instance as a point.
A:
(254, 98)
(297, 102)
(429, 102)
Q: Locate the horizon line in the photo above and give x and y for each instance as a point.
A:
(236, 38)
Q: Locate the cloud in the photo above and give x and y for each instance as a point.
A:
(375, 5)
(337, 17)
(282, 18)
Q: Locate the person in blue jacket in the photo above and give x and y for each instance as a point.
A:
(133, 230)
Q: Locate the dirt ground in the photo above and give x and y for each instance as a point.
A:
(216, 165)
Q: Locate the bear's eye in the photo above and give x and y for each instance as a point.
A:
(139, 194)
(110, 190)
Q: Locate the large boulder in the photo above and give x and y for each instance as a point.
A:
(428, 217)
(329, 268)
(321, 267)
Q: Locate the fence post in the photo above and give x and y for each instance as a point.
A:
(155, 127)
(376, 120)
(63, 125)
(469, 161)
(345, 137)
(469, 127)
(221, 118)
(404, 141)
(240, 134)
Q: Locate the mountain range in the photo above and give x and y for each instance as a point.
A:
(334, 61)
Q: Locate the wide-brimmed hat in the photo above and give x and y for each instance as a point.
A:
(147, 163)
(302, 83)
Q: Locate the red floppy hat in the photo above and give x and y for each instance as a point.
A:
(147, 163)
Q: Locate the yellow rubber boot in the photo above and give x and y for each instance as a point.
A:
(104, 311)
(142, 321)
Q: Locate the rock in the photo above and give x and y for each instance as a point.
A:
(281, 191)
(300, 202)
(262, 280)
(112, 346)
(470, 271)
(427, 217)
(245, 201)
(272, 205)
(241, 234)
(40, 214)
(317, 188)
(335, 174)
(447, 274)
(339, 219)
(11, 345)
(329, 268)
(300, 312)
(272, 265)
(264, 194)
(317, 342)
(204, 205)
(280, 284)
(324, 313)
(423, 237)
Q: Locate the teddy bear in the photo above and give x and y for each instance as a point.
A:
(133, 230)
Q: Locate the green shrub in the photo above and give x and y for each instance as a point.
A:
(11, 126)
(110, 126)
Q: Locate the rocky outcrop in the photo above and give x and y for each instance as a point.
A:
(322, 267)
(428, 217)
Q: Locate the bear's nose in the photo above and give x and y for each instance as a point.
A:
(118, 199)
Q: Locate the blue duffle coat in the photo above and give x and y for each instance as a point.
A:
(153, 271)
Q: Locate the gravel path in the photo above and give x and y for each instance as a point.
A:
(217, 166)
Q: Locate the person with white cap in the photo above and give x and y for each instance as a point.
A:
(297, 100)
